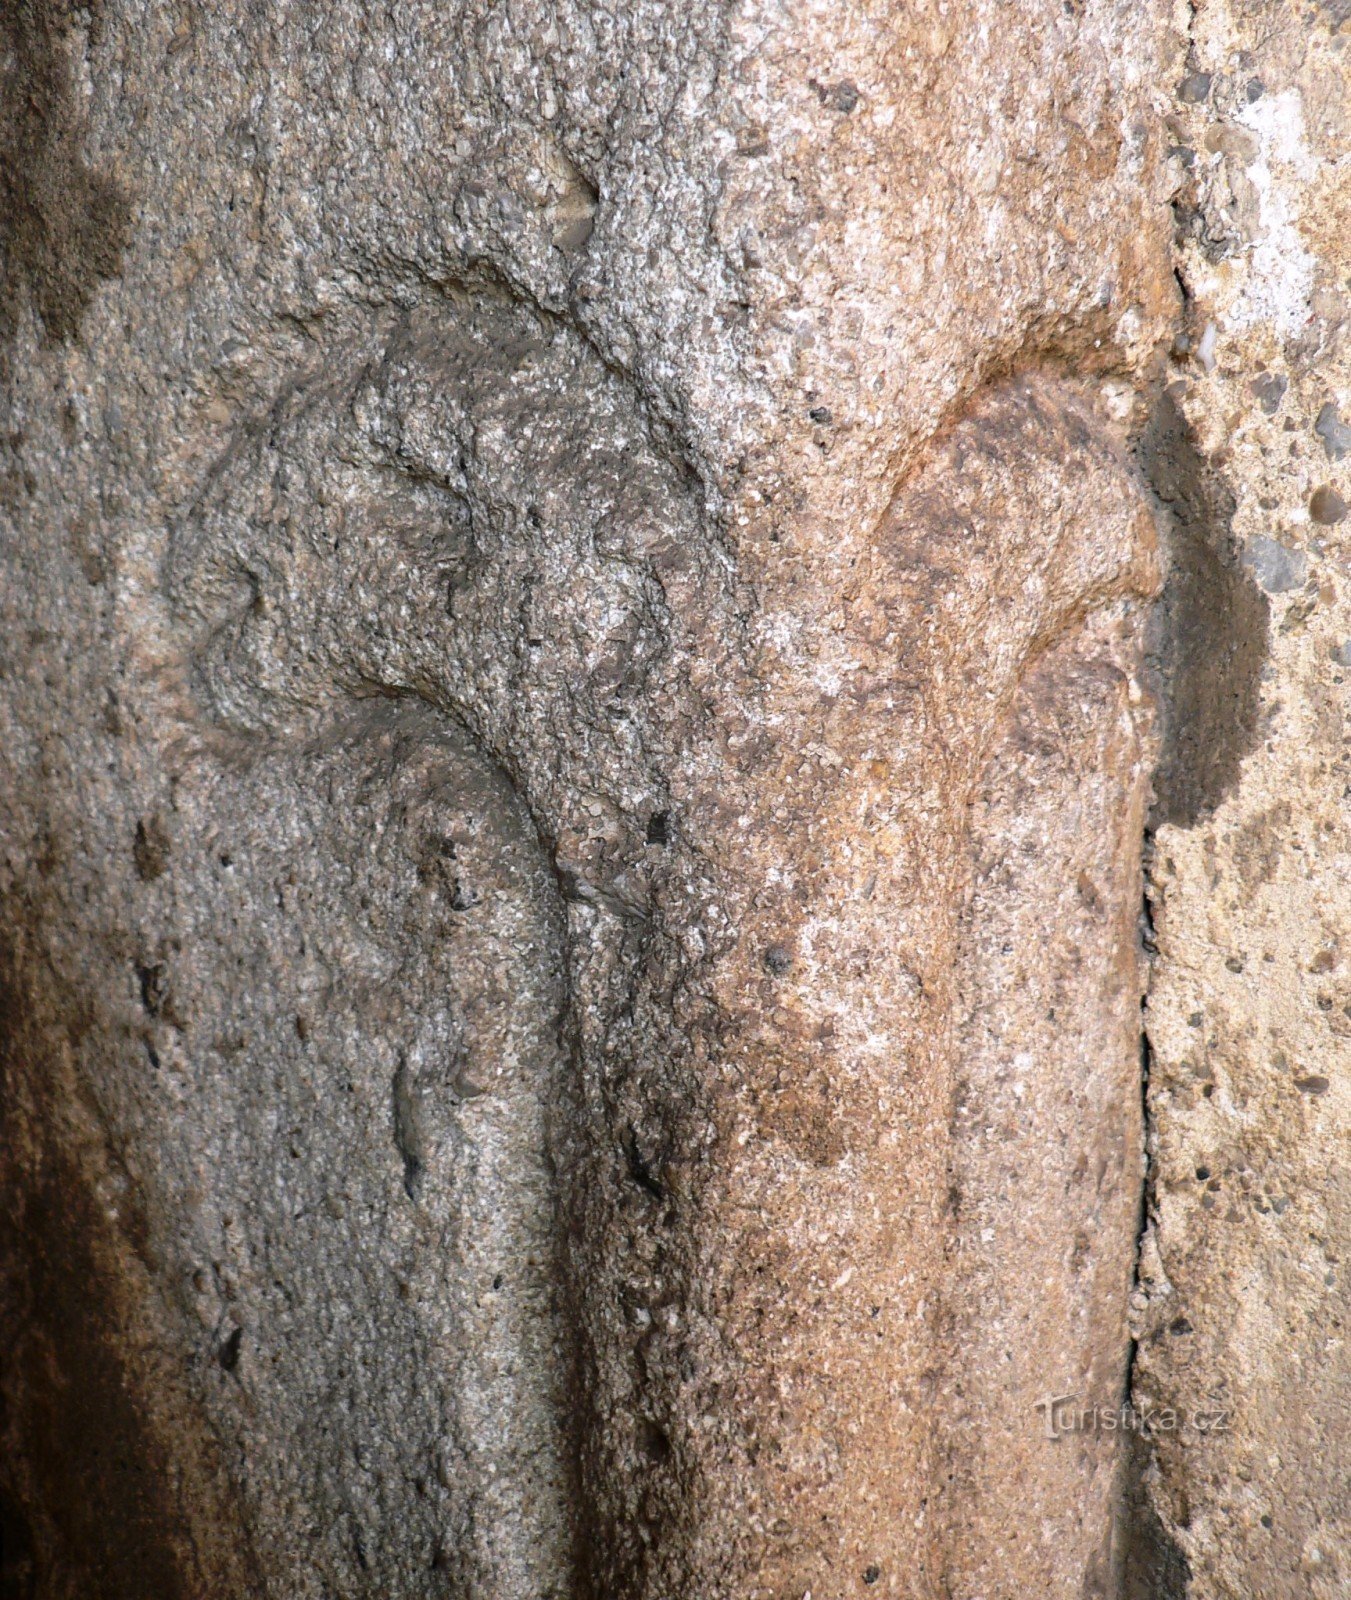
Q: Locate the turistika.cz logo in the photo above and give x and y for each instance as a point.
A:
(1066, 1413)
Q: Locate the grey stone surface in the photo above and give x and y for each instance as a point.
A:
(1277, 567)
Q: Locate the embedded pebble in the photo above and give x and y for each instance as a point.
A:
(1270, 389)
(1335, 434)
(1276, 566)
(1326, 506)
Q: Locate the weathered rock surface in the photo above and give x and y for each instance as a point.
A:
(577, 707)
(1243, 1296)
(1047, 1134)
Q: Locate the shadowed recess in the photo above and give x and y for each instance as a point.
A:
(84, 1504)
(62, 226)
(1152, 1565)
(1210, 628)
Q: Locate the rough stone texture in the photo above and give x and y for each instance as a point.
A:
(575, 745)
(1243, 1296)
(1048, 1148)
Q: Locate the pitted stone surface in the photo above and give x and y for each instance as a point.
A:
(573, 724)
(1242, 1307)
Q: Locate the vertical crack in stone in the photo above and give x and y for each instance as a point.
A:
(1207, 647)
(1148, 1563)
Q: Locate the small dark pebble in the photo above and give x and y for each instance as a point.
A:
(1335, 434)
(1326, 506)
(778, 960)
(872, 1574)
(1315, 1083)
(819, 413)
(841, 97)
(1194, 89)
(1270, 391)
(1255, 89)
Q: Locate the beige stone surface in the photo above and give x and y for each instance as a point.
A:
(1243, 1310)
(578, 666)
(1047, 1134)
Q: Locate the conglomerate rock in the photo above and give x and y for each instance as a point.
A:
(1242, 1304)
(580, 691)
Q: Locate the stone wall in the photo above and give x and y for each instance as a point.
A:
(631, 636)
